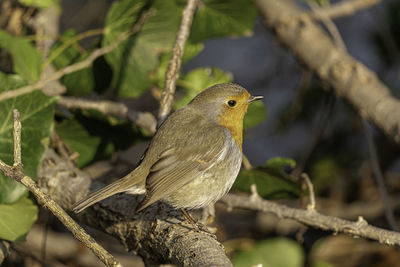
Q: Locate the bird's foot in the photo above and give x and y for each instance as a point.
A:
(197, 225)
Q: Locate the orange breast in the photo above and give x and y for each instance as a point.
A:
(233, 121)
(232, 117)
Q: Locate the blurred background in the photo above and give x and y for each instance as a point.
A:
(300, 127)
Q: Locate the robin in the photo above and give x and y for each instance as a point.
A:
(195, 155)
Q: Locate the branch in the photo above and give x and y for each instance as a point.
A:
(158, 234)
(4, 250)
(17, 173)
(174, 65)
(330, 26)
(343, 8)
(310, 187)
(46, 24)
(77, 66)
(145, 120)
(349, 78)
(312, 218)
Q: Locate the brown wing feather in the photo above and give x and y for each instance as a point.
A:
(181, 164)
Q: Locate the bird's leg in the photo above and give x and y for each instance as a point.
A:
(197, 225)
(188, 217)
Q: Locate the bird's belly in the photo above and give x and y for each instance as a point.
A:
(208, 188)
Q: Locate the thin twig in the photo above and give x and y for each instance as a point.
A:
(79, 65)
(246, 163)
(310, 187)
(17, 173)
(359, 228)
(145, 120)
(389, 213)
(17, 139)
(343, 8)
(174, 65)
(331, 27)
(70, 42)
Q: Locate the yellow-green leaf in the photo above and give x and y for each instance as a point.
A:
(16, 219)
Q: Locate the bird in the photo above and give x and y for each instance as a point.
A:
(194, 157)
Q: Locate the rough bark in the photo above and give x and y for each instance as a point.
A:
(157, 234)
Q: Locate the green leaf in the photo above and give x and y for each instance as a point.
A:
(276, 252)
(191, 50)
(16, 219)
(269, 184)
(199, 79)
(217, 18)
(134, 58)
(256, 114)
(10, 81)
(89, 146)
(41, 3)
(96, 136)
(26, 59)
(79, 83)
(37, 115)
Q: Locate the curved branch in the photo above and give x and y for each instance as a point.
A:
(349, 78)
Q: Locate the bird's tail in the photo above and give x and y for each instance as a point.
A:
(134, 181)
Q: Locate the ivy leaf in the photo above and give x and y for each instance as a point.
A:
(79, 139)
(37, 114)
(78, 83)
(199, 79)
(96, 136)
(277, 252)
(16, 219)
(216, 18)
(26, 59)
(134, 58)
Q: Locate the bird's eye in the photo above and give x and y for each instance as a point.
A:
(232, 103)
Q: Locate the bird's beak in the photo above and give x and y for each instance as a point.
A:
(254, 98)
